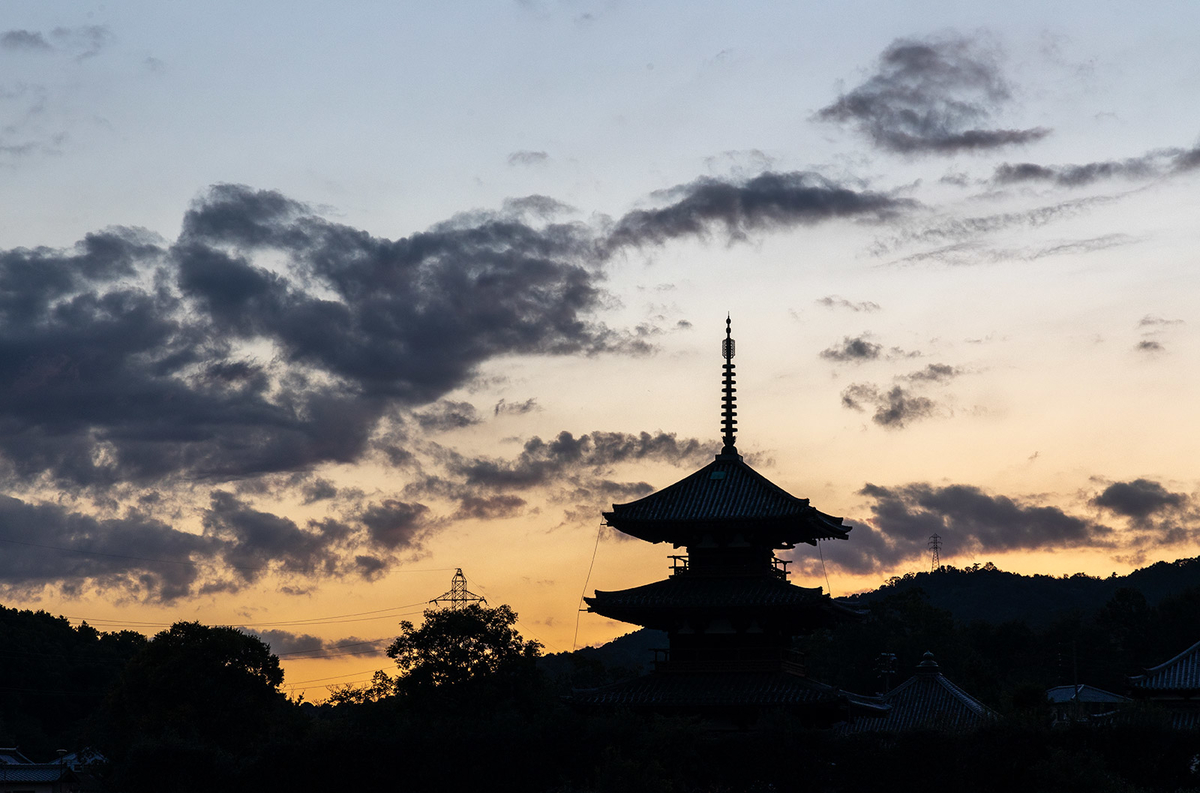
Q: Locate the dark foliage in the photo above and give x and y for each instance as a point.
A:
(53, 677)
(198, 708)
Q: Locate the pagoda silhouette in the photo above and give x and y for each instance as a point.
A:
(728, 610)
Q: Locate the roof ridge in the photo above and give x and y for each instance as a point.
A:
(1152, 669)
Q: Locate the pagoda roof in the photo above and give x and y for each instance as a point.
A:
(927, 700)
(1181, 673)
(729, 497)
(722, 689)
(762, 595)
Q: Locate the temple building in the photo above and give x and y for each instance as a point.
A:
(927, 701)
(1173, 685)
(727, 608)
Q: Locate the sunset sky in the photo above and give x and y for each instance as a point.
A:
(304, 306)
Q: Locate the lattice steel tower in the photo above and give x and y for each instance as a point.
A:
(935, 545)
(459, 595)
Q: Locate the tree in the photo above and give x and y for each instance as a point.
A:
(201, 685)
(454, 646)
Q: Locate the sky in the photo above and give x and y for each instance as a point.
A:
(304, 307)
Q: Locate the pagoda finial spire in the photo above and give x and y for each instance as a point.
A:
(728, 401)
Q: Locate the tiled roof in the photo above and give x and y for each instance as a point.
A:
(927, 700)
(35, 772)
(1181, 673)
(717, 689)
(726, 491)
(763, 595)
(1086, 693)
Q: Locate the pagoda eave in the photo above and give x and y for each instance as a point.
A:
(772, 532)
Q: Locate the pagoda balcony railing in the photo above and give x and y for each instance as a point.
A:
(737, 660)
(680, 566)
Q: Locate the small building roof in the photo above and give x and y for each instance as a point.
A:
(1083, 693)
(927, 700)
(724, 498)
(1181, 673)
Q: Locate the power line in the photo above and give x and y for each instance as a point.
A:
(586, 581)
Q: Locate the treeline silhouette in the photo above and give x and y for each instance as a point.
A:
(468, 703)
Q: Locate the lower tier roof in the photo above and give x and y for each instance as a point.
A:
(723, 690)
(765, 596)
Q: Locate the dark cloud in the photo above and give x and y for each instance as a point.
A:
(500, 505)
(1140, 499)
(121, 358)
(931, 97)
(396, 525)
(934, 373)
(570, 470)
(853, 349)
(445, 415)
(47, 544)
(1153, 164)
(834, 301)
(23, 40)
(541, 462)
(968, 520)
(528, 158)
(516, 408)
(894, 408)
(766, 202)
(256, 541)
(1150, 347)
(303, 645)
(318, 490)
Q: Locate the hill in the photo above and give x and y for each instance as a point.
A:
(985, 592)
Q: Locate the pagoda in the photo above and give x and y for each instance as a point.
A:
(727, 608)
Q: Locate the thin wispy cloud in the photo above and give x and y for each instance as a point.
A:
(932, 96)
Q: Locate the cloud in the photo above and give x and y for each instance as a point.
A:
(445, 415)
(516, 408)
(536, 206)
(23, 40)
(853, 349)
(934, 373)
(303, 645)
(965, 254)
(965, 228)
(895, 408)
(500, 505)
(768, 201)
(1150, 347)
(1152, 164)
(1140, 499)
(318, 490)
(1151, 321)
(255, 541)
(528, 158)
(968, 519)
(566, 469)
(86, 41)
(126, 358)
(930, 97)
(834, 301)
(396, 525)
(542, 461)
(46, 544)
